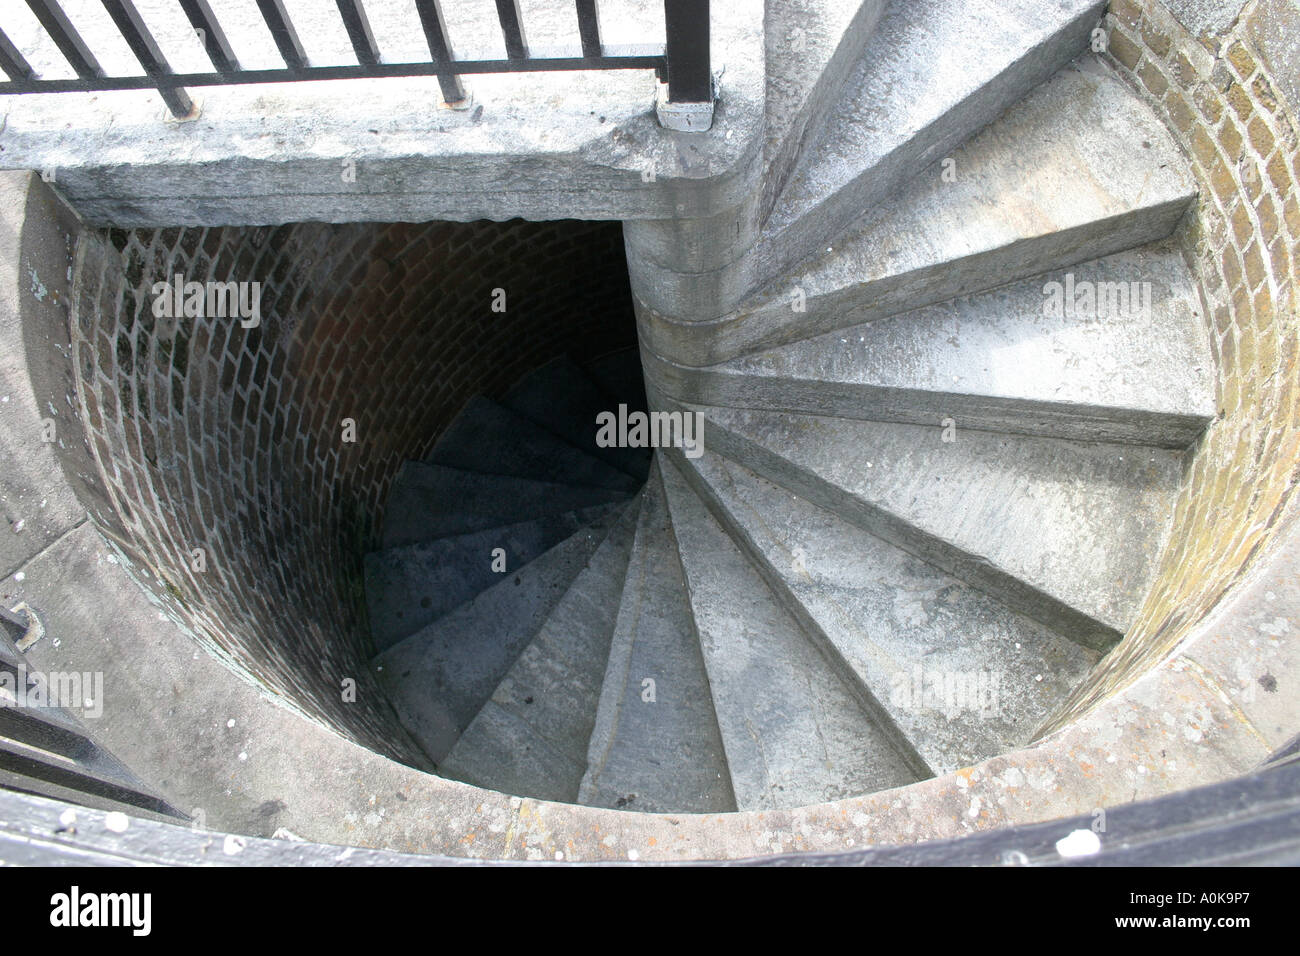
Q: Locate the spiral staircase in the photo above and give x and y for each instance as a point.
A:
(950, 364)
(928, 503)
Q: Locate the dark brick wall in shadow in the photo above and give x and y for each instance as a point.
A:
(212, 437)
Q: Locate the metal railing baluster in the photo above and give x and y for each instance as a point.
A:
(66, 38)
(589, 28)
(214, 38)
(283, 33)
(435, 34)
(358, 27)
(142, 44)
(687, 26)
(12, 61)
(512, 26)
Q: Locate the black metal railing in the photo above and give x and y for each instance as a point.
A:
(45, 751)
(681, 61)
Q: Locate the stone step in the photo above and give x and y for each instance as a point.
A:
(491, 438)
(1062, 531)
(1079, 170)
(795, 731)
(619, 375)
(433, 501)
(440, 677)
(531, 738)
(1132, 370)
(563, 399)
(655, 746)
(933, 73)
(961, 675)
(414, 585)
(812, 48)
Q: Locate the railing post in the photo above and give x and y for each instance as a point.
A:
(689, 102)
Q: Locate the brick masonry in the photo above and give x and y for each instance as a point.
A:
(1228, 92)
(209, 435)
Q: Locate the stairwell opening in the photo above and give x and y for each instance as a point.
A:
(241, 465)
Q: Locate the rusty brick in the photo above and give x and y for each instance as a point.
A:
(1152, 78)
(1253, 259)
(1241, 60)
(1240, 102)
(1279, 175)
(1230, 139)
(1123, 49)
(1260, 136)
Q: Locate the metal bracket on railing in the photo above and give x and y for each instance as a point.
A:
(23, 625)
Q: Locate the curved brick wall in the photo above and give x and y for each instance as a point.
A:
(1226, 78)
(208, 435)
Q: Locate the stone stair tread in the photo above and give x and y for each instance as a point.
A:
(961, 675)
(796, 733)
(995, 360)
(489, 437)
(411, 586)
(1062, 530)
(433, 501)
(441, 676)
(1051, 183)
(933, 73)
(811, 47)
(563, 399)
(664, 756)
(502, 751)
(531, 738)
(618, 374)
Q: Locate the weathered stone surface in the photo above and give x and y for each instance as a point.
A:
(531, 737)
(440, 676)
(963, 677)
(1116, 371)
(433, 501)
(411, 586)
(795, 731)
(656, 746)
(289, 152)
(1060, 530)
(619, 376)
(933, 74)
(1055, 181)
(562, 398)
(491, 438)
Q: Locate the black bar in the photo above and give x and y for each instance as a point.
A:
(27, 725)
(512, 26)
(589, 27)
(219, 50)
(634, 61)
(358, 27)
(435, 33)
(283, 33)
(12, 62)
(142, 44)
(686, 24)
(78, 777)
(66, 38)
